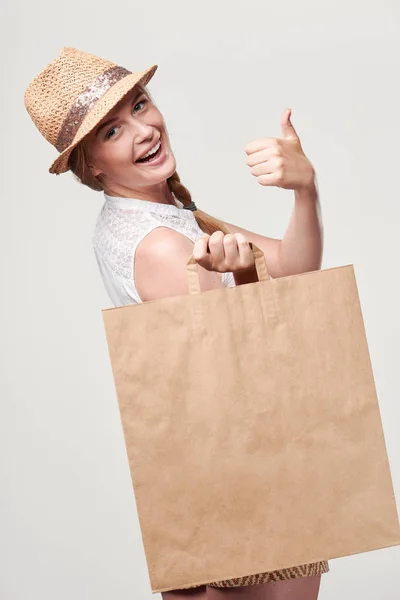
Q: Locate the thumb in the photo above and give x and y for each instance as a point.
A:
(288, 131)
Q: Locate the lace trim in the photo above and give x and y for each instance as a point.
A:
(157, 208)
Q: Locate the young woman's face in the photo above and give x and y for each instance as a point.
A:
(126, 134)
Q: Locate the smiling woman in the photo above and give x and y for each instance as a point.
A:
(112, 136)
(92, 153)
(117, 146)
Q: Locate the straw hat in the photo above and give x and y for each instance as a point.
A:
(72, 94)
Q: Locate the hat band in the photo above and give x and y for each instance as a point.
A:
(84, 103)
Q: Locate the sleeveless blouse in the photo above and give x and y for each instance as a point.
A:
(120, 226)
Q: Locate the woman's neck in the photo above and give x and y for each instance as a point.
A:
(159, 193)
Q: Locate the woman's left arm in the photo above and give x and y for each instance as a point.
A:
(302, 245)
(300, 250)
(281, 162)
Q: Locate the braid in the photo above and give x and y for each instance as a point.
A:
(206, 222)
(178, 189)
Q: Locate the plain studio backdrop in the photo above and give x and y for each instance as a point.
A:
(69, 526)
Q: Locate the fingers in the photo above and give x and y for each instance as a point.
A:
(246, 256)
(267, 167)
(200, 249)
(260, 156)
(208, 251)
(216, 246)
(223, 252)
(230, 249)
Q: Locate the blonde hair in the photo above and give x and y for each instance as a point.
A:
(79, 165)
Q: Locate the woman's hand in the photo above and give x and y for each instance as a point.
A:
(223, 252)
(281, 162)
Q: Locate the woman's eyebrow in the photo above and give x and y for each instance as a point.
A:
(113, 119)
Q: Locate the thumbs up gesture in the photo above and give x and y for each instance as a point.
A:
(281, 162)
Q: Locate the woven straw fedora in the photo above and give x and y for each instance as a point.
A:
(72, 94)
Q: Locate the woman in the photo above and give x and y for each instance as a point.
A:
(111, 135)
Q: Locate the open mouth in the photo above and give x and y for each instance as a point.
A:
(153, 156)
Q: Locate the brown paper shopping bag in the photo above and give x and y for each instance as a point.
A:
(252, 426)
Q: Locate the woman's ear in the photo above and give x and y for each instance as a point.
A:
(89, 158)
(94, 170)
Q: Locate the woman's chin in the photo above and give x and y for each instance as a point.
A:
(169, 166)
(173, 164)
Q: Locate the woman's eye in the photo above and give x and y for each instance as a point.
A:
(108, 133)
(140, 102)
(113, 128)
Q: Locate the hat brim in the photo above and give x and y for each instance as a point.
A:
(99, 111)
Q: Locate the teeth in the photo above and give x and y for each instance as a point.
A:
(152, 150)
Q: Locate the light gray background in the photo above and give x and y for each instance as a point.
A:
(69, 526)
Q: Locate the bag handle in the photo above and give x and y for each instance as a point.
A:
(192, 271)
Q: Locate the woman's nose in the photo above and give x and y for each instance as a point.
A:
(142, 131)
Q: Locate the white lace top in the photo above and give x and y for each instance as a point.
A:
(121, 224)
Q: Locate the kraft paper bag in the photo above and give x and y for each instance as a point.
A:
(252, 426)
